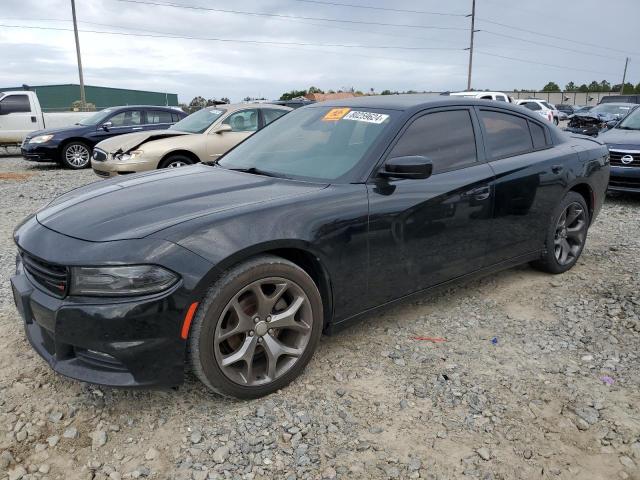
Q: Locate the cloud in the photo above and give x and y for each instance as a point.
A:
(236, 70)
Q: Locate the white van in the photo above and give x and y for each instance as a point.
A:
(20, 114)
(497, 96)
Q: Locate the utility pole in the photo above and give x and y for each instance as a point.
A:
(83, 99)
(473, 22)
(624, 75)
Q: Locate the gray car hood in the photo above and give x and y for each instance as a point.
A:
(622, 138)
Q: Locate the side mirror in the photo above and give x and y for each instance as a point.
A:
(413, 166)
(223, 127)
(106, 126)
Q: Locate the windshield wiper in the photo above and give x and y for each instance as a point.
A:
(254, 171)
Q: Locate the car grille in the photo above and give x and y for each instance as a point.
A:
(52, 278)
(616, 156)
(625, 182)
(99, 155)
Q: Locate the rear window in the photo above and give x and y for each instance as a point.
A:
(537, 135)
(505, 134)
(548, 105)
(531, 106)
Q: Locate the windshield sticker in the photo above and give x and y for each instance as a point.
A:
(215, 112)
(335, 114)
(369, 117)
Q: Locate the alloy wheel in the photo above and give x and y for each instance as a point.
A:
(570, 233)
(263, 331)
(177, 164)
(77, 155)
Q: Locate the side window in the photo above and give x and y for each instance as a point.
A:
(126, 118)
(15, 104)
(537, 134)
(271, 114)
(501, 98)
(243, 121)
(446, 138)
(506, 134)
(158, 116)
(531, 106)
(486, 97)
(175, 117)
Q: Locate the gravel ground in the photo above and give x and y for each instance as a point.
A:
(538, 378)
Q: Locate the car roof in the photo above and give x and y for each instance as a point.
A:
(618, 104)
(230, 107)
(163, 107)
(411, 102)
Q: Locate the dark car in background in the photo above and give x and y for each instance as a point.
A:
(599, 118)
(620, 99)
(71, 146)
(334, 210)
(565, 110)
(623, 142)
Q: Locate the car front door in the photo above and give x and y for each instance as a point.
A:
(530, 175)
(243, 123)
(126, 121)
(423, 232)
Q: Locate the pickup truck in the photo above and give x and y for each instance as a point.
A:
(20, 114)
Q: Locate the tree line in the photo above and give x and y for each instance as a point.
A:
(595, 86)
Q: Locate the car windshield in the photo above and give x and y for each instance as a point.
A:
(632, 122)
(312, 143)
(612, 109)
(199, 121)
(97, 118)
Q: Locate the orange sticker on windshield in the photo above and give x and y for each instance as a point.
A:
(335, 114)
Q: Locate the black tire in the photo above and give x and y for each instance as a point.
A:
(549, 262)
(201, 342)
(174, 161)
(76, 155)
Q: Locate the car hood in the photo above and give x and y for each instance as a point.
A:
(139, 205)
(129, 141)
(622, 138)
(61, 130)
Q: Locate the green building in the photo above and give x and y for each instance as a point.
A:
(60, 97)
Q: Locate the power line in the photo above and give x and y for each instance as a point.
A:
(282, 15)
(386, 9)
(582, 52)
(230, 40)
(548, 35)
(564, 67)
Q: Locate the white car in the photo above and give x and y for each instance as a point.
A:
(542, 108)
(497, 96)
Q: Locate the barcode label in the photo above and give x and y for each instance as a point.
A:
(369, 117)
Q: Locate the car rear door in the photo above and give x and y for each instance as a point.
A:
(157, 120)
(423, 232)
(243, 123)
(124, 121)
(529, 183)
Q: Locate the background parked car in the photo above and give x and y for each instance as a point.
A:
(564, 110)
(599, 118)
(623, 142)
(542, 108)
(203, 136)
(620, 99)
(497, 96)
(20, 114)
(71, 146)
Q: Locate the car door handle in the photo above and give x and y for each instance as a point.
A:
(557, 169)
(33, 120)
(480, 193)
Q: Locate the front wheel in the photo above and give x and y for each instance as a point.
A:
(256, 329)
(176, 161)
(566, 235)
(76, 155)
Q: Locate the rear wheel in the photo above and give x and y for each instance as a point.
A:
(566, 236)
(256, 329)
(176, 161)
(76, 155)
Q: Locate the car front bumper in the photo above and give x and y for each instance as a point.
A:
(40, 152)
(624, 179)
(120, 342)
(113, 168)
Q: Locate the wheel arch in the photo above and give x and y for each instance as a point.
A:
(299, 252)
(67, 141)
(186, 153)
(585, 190)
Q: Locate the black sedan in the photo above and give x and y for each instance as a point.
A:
(332, 211)
(71, 146)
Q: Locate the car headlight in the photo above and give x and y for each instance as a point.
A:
(41, 139)
(120, 281)
(132, 155)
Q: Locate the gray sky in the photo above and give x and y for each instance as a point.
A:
(236, 70)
